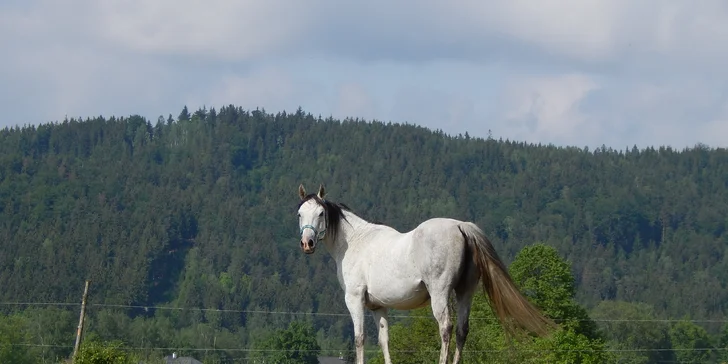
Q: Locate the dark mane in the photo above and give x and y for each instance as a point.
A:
(334, 212)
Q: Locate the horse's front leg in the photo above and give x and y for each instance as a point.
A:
(355, 304)
(380, 317)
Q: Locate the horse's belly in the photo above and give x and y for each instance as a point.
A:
(398, 294)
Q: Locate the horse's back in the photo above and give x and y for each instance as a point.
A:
(444, 224)
(437, 242)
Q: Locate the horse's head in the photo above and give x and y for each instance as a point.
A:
(312, 218)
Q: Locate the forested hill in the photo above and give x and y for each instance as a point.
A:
(199, 210)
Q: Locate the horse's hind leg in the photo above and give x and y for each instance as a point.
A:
(464, 299)
(380, 317)
(439, 301)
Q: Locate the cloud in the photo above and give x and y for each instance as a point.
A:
(355, 101)
(228, 30)
(714, 131)
(678, 111)
(591, 31)
(578, 72)
(58, 81)
(579, 30)
(52, 68)
(269, 87)
(547, 109)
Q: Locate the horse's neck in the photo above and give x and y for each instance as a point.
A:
(351, 232)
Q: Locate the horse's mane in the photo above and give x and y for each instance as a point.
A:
(334, 212)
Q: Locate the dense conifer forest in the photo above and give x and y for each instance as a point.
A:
(186, 227)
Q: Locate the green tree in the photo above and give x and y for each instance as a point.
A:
(294, 345)
(94, 351)
(184, 115)
(14, 340)
(633, 332)
(691, 342)
(723, 345)
(350, 353)
(546, 279)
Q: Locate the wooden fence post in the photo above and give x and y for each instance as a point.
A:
(79, 331)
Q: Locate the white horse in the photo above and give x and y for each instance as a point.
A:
(380, 268)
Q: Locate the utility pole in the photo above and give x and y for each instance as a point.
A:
(79, 331)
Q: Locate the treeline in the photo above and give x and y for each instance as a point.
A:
(197, 211)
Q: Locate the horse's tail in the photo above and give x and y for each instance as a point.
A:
(505, 299)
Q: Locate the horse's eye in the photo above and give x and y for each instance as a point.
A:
(321, 214)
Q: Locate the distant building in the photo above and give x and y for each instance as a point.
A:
(174, 359)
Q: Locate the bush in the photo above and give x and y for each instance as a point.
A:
(97, 352)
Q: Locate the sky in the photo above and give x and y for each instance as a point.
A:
(581, 73)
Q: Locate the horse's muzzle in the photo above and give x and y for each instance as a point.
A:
(308, 246)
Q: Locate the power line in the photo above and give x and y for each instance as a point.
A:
(41, 345)
(39, 304)
(220, 310)
(333, 314)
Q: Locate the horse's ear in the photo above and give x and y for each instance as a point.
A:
(301, 191)
(321, 192)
